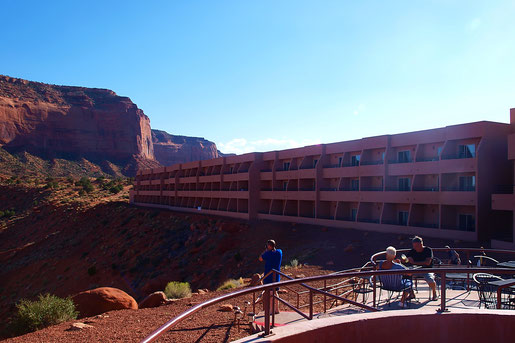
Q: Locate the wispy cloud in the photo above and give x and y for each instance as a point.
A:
(473, 25)
(242, 145)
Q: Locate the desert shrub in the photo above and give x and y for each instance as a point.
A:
(85, 183)
(7, 213)
(51, 184)
(47, 310)
(177, 290)
(230, 284)
(116, 189)
(294, 263)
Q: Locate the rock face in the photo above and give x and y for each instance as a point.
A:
(170, 149)
(103, 299)
(72, 122)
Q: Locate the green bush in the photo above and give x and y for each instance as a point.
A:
(116, 189)
(178, 290)
(7, 213)
(230, 284)
(47, 310)
(86, 184)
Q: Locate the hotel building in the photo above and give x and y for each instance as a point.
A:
(436, 182)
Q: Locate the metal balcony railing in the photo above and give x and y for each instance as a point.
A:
(338, 286)
(426, 189)
(371, 163)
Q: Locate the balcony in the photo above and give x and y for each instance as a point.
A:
(427, 159)
(372, 189)
(368, 220)
(397, 189)
(371, 163)
(426, 225)
(393, 222)
(400, 161)
(456, 156)
(426, 189)
(459, 189)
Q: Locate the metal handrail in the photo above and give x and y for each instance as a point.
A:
(268, 290)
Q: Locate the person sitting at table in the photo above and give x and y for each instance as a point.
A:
(391, 263)
(422, 256)
(453, 256)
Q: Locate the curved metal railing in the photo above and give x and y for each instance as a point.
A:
(268, 292)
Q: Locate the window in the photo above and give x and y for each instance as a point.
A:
(440, 148)
(286, 166)
(403, 217)
(355, 160)
(353, 214)
(466, 222)
(467, 151)
(467, 183)
(340, 160)
(404, 156)
(354, 185)
(315, 161)
(382, 156)
(404, 184)
(285, 185)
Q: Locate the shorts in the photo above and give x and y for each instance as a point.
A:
(429, 277)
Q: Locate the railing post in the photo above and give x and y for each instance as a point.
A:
(374, 293)
(499, 297)
(310, 304)
(325, 297)
(443, 288)
(266, 308)
(253, 302)
(272, 297)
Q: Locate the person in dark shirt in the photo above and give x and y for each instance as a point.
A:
(422, 256)
(453, 256)
(272, 258)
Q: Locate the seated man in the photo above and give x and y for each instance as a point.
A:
(453, 256)
(405, 284)
(422, 256)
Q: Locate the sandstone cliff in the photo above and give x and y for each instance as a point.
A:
(171, 149)
(63, 121)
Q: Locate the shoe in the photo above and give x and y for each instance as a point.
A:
(434, 298)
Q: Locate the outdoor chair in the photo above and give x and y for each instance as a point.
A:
(395, 284)
(487, 293)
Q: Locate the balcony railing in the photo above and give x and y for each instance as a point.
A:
(394, 222)
(266, 170)
(329, 189)
(397, 189)
(428, 159)
(368, 220)
(459, 228)
(369, 163)
(455, 156)
(347, 219)
(427, 225)
(459, 189)
(372, 189)
(307, 167)
(400, 161)
(425, 189)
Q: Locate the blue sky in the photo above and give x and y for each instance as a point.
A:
(266, 75)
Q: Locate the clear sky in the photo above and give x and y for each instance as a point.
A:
(265, 75)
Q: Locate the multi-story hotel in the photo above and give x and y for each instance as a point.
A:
(435, 183)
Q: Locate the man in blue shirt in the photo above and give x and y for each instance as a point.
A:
(272, 258)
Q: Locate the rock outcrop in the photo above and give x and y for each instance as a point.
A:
(171, 149)
(103, 299)
(64, 121)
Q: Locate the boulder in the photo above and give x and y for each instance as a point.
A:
(99, 300)
(255, 280)
(155, 299)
